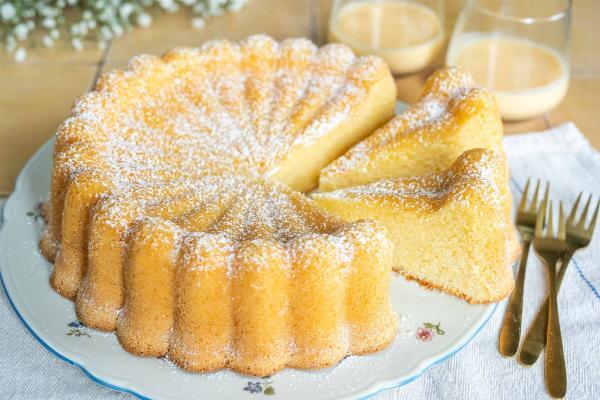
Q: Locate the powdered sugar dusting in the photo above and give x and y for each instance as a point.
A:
(478, 170)
(169, 159)
(444, 92)
(222, 107)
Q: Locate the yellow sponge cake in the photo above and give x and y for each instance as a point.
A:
(164, 229)
(451, 230)
(453, 115)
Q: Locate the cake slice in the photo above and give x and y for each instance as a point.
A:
(453, 115)
(451, 230)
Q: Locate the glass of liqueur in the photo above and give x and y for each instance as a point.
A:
(407, 34)
(518, 49)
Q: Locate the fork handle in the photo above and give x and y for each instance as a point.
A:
(555, 370)
(510, 332)
(535, 340)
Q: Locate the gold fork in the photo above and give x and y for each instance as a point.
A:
(510, 331)
(578, 236)
(551, 249)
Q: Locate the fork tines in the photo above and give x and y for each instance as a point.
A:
(581, 223)
(534, 201)
(546, 207)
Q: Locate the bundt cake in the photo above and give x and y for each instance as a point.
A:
(162, 226)
(176, 217)
(453, 115)
(257, 108)
(249, 275)
(451, 230)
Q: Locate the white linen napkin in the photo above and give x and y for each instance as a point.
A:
(560, 155)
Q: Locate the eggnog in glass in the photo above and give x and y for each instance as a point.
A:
(407, 34)
(519, 50)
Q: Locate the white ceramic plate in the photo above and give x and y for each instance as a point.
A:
(433, 327)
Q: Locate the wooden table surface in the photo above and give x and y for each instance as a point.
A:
(36, 95)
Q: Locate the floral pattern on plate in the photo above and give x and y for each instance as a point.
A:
(264, 386)
(426, 332)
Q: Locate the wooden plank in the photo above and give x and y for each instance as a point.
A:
(280, 19)
(35, 100)
(61, 53)
(585, 45)
(581, 106)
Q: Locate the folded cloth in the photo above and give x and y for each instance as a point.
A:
(560, 155)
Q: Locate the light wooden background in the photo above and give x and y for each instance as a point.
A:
(35, 96)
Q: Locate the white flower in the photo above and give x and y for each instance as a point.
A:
(126, 10)
(117, 29)
(144, 20)
(215, 7)
(106, 33)
(46, 11)
(20, 54)
(199, 8)
(48, 23)
(7, 11)
(75, 30)
(77, 44)
(198, 23)
(47, 41)
(21, 31)
(236, 5)
(107, 15)
(79, 29)
(11, 44)
(100, 19)
(216, 3)
(168, 5)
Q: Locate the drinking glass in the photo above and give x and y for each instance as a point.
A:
(407, 34)
(518, 49)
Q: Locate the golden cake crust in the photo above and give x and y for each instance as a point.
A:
(176, 216)
(452, 230)
(453, 115)
(503, 292)
(162, 226)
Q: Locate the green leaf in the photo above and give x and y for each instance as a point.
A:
(435, 327)
(269, 390)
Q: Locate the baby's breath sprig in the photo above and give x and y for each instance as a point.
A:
(96, 20)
